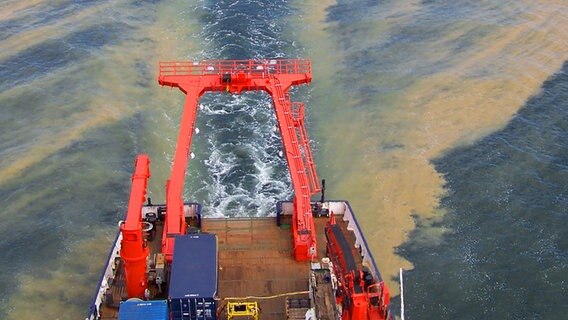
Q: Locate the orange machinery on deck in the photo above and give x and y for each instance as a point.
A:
(274, 77)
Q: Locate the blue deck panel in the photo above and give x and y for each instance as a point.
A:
(194, 267)
(143, 310)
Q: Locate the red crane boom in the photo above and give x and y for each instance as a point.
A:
(274, 77)
(133, 250)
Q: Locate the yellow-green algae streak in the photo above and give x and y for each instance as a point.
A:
(108, 92)
(378, 153)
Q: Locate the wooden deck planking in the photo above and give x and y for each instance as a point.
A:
(255, 259)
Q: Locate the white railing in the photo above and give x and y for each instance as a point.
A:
(106, 278)
(360, 242)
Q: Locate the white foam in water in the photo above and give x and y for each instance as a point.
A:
(207, 109)
(225, 193)
(220, 164)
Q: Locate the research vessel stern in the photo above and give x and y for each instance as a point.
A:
(310, 260)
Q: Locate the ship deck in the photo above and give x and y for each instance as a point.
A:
(255, 259)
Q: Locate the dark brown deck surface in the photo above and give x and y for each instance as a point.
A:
(255, 259)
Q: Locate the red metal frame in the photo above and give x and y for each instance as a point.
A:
(309, 164)
(133, 249)
(273, 76)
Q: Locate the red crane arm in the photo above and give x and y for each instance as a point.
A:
(133, 251)
(234, 76)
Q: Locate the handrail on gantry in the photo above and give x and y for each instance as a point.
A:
(258, 67)
(274, 76)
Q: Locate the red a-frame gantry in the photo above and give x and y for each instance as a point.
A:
(274, 77)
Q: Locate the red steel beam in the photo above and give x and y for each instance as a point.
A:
(303, 228)
(298, 114)
(175, 220)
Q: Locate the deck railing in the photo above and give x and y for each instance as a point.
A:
(206, 67)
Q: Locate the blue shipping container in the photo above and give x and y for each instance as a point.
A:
(193, 278)
(193, 309)
(143, 310)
